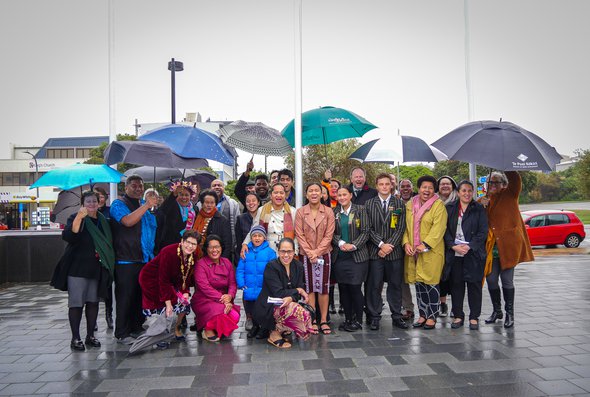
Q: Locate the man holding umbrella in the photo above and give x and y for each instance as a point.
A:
(134, 232)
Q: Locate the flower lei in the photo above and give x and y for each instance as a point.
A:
(188, 265)
(185, 184)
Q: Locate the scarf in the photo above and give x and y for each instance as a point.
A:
(202, 223)
(288, 228)
(103, 241)
(417, 213)
(188, 216)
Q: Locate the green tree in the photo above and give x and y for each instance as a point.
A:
(582, 172)
(413, 172)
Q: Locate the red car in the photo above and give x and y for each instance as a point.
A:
(554, 227)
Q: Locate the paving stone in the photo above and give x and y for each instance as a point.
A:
(336, 387)
(554, 373)
(385, 384)
(555, 387)
(173, 382)
(311, 375)
(20, 388)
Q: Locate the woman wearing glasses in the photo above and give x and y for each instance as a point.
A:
(215, 291)
(283, 279)
(507, 244)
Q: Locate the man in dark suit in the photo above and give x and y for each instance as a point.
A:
(387, 218)
(361, 191)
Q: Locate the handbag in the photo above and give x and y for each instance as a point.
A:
(59, 279)
(307, 307)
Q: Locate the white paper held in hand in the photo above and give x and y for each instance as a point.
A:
(274, 301)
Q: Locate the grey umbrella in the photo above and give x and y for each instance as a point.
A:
(160, 329)
(68, 202)
(255, 138)
(162, 174)
(499, 144)
(148, 153)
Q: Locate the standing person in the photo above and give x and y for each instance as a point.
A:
(426, 222)
(249, 274)
(447, 192)
(104, 209)
(406, 191)
(283, 278)
(176, 214)
(229, 208)
(361, 191)
(332, 185)
(314, 228)
(134, 233)
(465, 242)
(508, 242)
(210, 221)
(274, 177)
(278, 219)
(387, 225)
(215, 290)
(351, 257)
(260, 186)
(287, 180)
(166, 280)
(244, 221)
(86, 270)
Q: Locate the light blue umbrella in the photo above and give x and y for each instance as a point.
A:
(190, 142)
(77, 175)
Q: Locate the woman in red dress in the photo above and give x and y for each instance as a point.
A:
(166, 280)
(215, 291)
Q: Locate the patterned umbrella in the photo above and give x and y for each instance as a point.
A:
(255, 138)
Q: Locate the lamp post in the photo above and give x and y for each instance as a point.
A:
(173, 67)
(36, 178)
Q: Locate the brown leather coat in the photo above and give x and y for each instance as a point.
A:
(506, 224)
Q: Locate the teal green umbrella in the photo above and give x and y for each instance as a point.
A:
(327, 124)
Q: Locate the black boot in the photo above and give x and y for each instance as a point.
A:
(497, 303)
(109, 317)
(509, 307)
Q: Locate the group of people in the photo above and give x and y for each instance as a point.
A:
(195, 250)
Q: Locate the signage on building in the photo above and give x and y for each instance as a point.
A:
(43, 165)
(11, 197)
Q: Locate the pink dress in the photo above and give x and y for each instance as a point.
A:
(211, 282)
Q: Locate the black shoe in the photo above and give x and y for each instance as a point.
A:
(340, 310)
(92, 341)
(457, 324)
(495, 296)
(77, 344)
(444, 310)
(431, 326)
(193, 328)
(418, 324)
(353, 326)
(474, 327)
(509, 307)
(109, 319)
(333, 309)
(374, 324)
(400, 323)
(343, 325)
(262, 334)
(253, 331)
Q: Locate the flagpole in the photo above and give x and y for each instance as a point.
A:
(298, 105)
(468, 86)
(112, 124)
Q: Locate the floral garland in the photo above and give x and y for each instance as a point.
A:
(188, 265)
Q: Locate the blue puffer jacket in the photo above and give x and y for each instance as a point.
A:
(250, 271)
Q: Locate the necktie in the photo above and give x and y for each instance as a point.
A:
(385, 206)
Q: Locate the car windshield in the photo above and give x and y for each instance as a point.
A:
(524, 217)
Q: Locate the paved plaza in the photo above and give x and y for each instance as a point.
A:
(546, 353)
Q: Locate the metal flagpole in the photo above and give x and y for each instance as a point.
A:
(468, 86)
(112, 124)
(298, 105)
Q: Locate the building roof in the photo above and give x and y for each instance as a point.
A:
(71, 142)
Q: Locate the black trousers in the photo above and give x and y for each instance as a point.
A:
(391, 272)
(128, 297)
(474, 292)
(108, 302)
(352, 301)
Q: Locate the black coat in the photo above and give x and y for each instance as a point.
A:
(277, 284)
(220, 226)
(475, 230)
(170, 223)
(243, 226)
(365, 194)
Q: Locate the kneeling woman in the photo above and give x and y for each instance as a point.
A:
(215, 290)
(166, 280)
(283, 278)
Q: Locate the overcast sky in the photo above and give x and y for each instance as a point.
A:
(399, 64)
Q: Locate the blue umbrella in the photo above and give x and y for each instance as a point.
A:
(77, 175)
(190, 142)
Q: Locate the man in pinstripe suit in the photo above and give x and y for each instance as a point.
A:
(387, 220)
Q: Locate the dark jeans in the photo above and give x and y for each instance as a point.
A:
(352, 300)
(507, 276)
(128, 297)
(391, 272)
(474, 294)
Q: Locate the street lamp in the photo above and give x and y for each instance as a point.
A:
(36, 178)
(173, 67)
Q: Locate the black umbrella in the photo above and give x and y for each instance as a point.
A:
(68, 202)
(148, 153)
(395, 149)
(499, 144)
(162, 174)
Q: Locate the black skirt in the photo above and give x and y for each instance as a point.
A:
(347, 271)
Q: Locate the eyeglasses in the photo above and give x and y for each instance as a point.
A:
(190, 243)
(286, 252)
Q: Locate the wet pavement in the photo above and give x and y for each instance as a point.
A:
(546, 353)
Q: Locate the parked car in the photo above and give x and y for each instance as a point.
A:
(554, 227)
